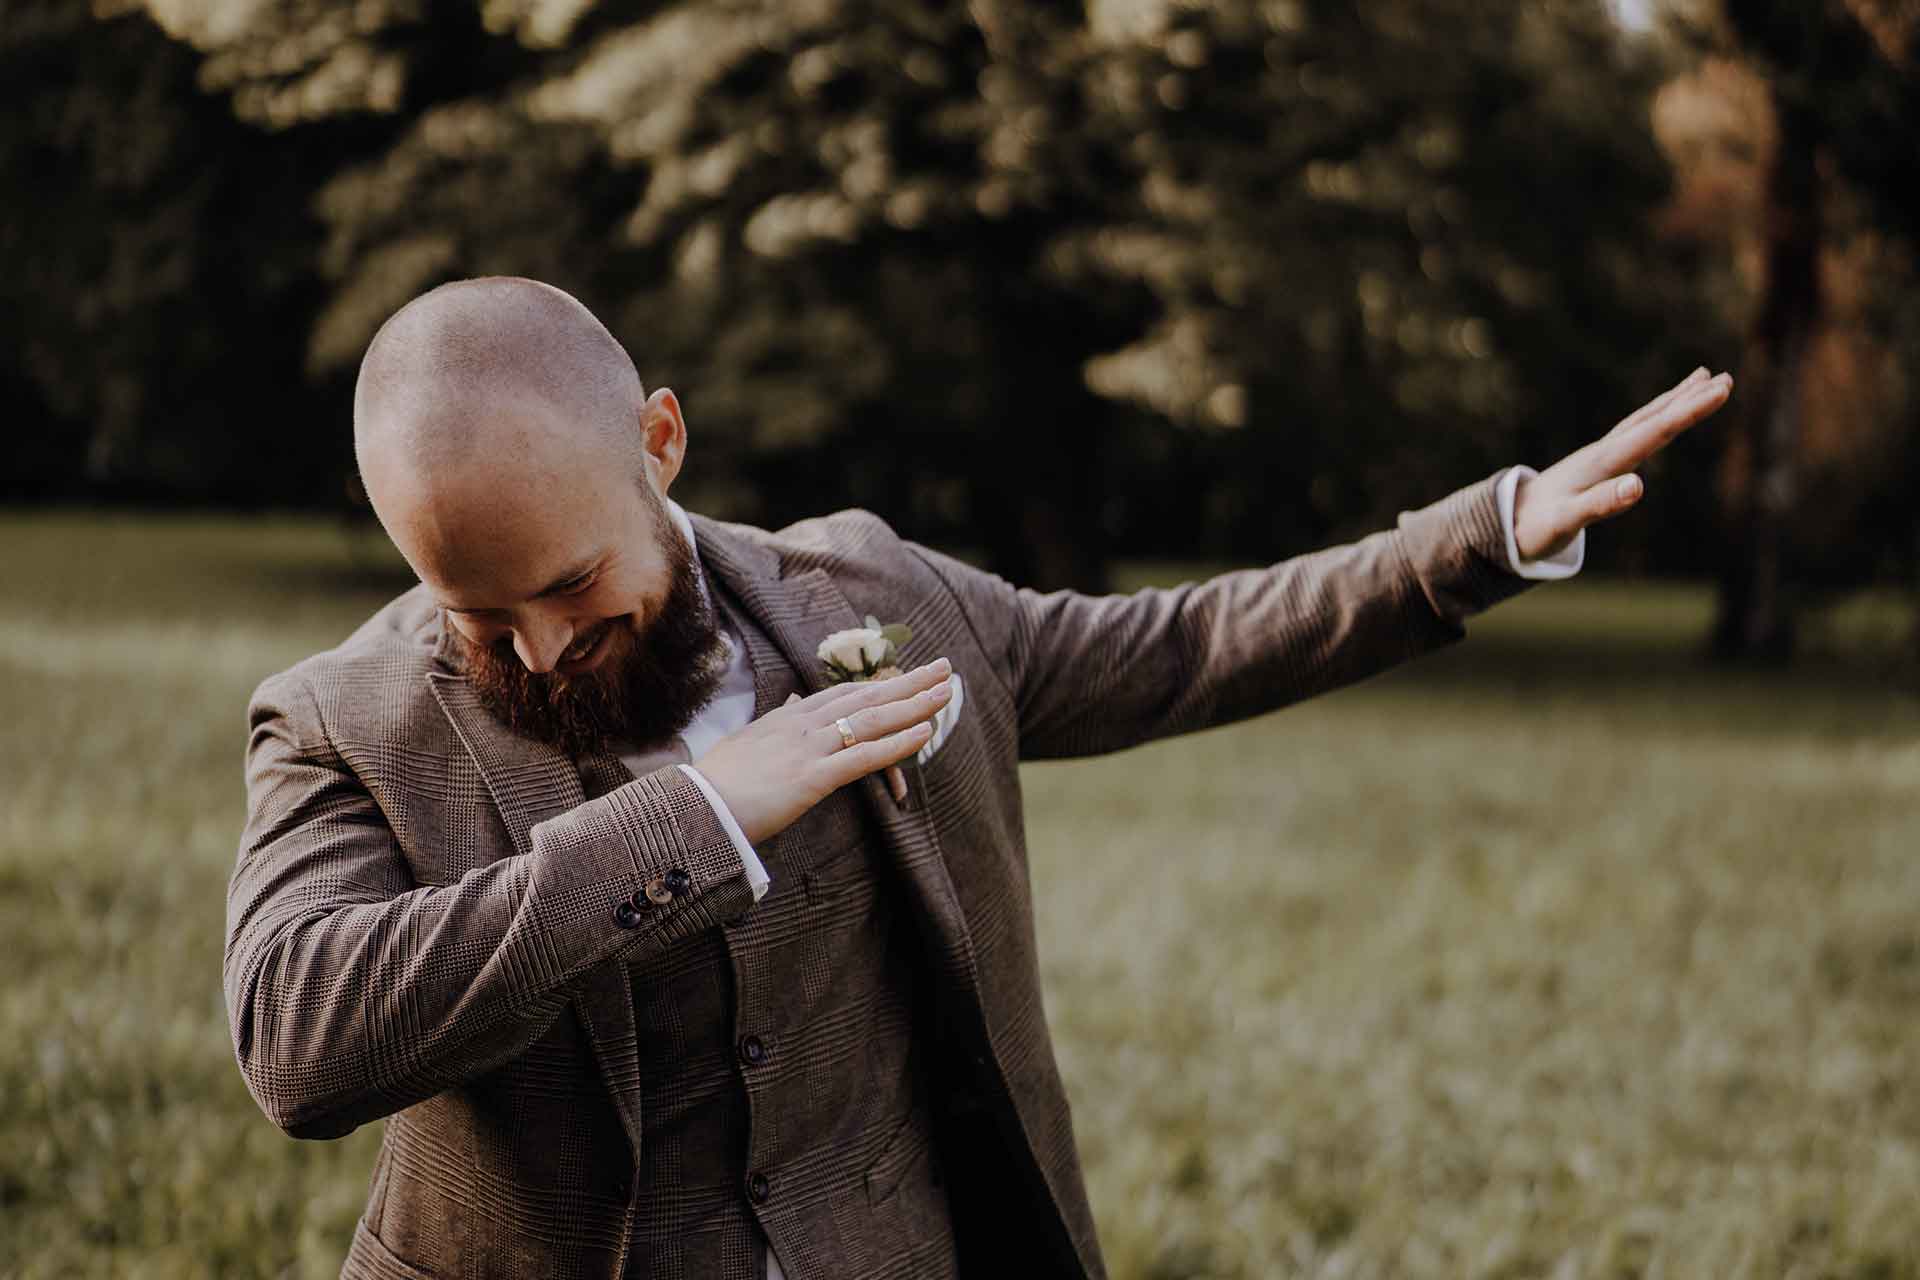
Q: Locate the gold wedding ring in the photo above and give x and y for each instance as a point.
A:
(846, 732)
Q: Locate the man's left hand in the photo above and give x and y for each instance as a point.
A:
(896, 780)
(1597, 482)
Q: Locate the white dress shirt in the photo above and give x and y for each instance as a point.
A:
(731, 707)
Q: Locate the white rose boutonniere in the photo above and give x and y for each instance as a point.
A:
(871, 652)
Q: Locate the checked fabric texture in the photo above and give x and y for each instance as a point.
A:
(422, 924)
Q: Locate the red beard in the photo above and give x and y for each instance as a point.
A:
(645, 691)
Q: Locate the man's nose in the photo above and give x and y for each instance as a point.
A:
(540, 644)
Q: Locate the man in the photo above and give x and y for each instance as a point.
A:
(574, 864)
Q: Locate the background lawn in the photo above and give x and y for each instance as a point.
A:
(1555, 954)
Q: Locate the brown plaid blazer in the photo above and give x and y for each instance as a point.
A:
(423, 922)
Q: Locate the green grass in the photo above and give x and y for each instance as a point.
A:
(1557, 954)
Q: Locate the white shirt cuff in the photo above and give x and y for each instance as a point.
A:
(756, 873)
(1563, 564)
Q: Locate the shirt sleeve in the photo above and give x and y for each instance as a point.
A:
(1563, 564)
(756, 873)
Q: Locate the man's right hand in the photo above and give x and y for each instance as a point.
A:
(792, 758)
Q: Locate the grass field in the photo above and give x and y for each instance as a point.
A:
(1557, 954)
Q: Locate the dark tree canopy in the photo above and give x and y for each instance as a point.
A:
(1055, 281)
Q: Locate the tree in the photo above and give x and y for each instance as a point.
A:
(1390, 244)
(1830, 110)
(1046, 253)
(822, 221)
(129, 260)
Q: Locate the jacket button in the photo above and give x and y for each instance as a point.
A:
(654, 891)
(759, 1190)
(677, 880)
(753, 1050)
(624, 915)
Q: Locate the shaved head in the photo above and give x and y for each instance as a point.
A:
(462, 374)
(511, 454)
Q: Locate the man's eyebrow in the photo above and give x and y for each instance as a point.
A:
(558, 585)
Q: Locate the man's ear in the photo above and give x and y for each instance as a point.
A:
(663, 434)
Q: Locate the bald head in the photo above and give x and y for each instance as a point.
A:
(496, 372)
(504, 438)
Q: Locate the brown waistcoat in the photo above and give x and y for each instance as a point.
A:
(778, 1055)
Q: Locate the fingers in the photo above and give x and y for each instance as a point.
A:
(1644, 435)
(845, 698)
(1660, 401)
(1658, 430)
(1609, 499)
(877, 721)
(1586, 463)
(895, 778)
(848, 763)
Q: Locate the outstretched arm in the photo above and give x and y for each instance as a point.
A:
(1091, 674)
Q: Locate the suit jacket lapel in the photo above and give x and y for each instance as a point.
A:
(797, 612)
(531, 782)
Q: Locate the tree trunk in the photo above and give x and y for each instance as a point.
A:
(1759, 475)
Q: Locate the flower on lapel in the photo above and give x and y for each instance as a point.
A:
(871, 652)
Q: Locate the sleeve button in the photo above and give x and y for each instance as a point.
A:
(677, 880)
(654, 891)
(624, 915)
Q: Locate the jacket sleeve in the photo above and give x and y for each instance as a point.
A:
(352, 992)
(1092, 674)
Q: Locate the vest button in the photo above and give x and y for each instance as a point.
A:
(753, 1050)
(759, 1190)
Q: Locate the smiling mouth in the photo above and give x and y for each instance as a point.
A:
(587, 645)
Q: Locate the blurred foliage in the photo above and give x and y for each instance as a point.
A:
(1057, 281)
(135, 242)
(1397, 241)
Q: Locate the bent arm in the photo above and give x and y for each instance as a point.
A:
(1092, 674)
(353, 992)
(756, 870)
